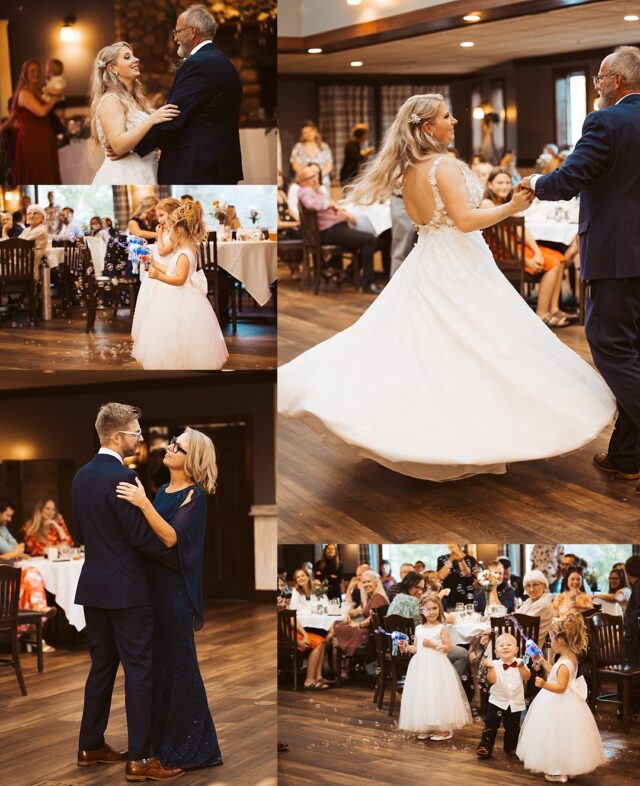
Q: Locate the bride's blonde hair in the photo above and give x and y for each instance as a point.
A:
(103, 81)
(405, 144)
(190, 219)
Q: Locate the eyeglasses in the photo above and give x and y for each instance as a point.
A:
(175, 447)
(181, 30)
(533, 585)
(599, 78)
(132, 433)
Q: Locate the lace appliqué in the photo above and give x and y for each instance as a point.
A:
(440, 218)
(134, 117)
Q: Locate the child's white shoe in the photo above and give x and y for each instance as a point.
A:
(423, 736)
(556, 778)
(441, 737)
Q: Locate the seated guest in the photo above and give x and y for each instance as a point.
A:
(572, 597)
(538, 604)
(107, 224)
(45, 528)
(36, 231)
(615, 601)
(538, 259)
(385, 574)
(632, 612)
(354, 631)
(302, 590)
(70, 230)
(503, 593)
(511, 578)
(329, 568)
(292, 194)
(231, 219)
(9, 228)
(356, 153)
(97, 229)
(405, 569)
(433, 584)
(355, 593)
(143, 221)
(335, 225)
(419, 566)
(406, 602)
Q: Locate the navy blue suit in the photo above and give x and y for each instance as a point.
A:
(202, 145)
(604, 168)
(114, 590)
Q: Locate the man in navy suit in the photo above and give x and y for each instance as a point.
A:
(114, 590)
(202, 144)
(604, 168)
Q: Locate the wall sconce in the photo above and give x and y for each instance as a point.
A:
(68, 32)
(486, 113)
(478, 113)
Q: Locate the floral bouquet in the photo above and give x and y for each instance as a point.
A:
(488, 580)
(220, 211)
(321, 588)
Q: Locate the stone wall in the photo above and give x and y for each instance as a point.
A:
(148, 27)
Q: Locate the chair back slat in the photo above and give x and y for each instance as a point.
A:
(17, 260)
(9, 594)
(506, 242)
(287, 628)
(530, 626)
(606, 634)
(310, 230)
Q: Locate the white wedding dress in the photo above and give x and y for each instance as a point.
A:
(449, 373)
(132, 169)
(175, 326)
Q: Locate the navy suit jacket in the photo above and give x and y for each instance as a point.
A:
(116, 537)
(202, 145)
(604, 168)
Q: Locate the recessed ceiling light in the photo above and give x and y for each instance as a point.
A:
(356, 63)
(471, 18)
(315, 50)
(631, 18)
(467, 43)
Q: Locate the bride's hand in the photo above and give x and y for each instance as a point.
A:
(165, 113)
(522, 199)
(134, 494)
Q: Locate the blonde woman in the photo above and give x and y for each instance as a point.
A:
(449, 373)
(121, 116)
(354, 631)
(45, 528)
(178, 328)
(178, 517)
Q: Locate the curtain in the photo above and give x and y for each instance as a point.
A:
(340, 108)
(121, 207)
(393, 96)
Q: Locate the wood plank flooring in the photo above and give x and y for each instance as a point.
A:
(62, 344)
(340, 737)
(322, 492)
(236, 649)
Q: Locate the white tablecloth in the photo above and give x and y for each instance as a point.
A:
(320, 621)
(61, 580)
(464, 632)
(374, 219)
(254, 263)
(554, 221)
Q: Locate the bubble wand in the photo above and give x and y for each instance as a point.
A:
(532, 652)
(396, 637)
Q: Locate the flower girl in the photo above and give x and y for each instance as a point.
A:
(559, 736)
(433, 700)
(177, 327)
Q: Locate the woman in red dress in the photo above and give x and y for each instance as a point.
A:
(36, 154)
(45, 528)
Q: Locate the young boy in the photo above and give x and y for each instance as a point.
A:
(507, 676)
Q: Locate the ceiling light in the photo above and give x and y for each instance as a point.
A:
(631, 18)
(472, 18)
(354, 2)
(356, 63)
(315, 50)
(467, 44)
(478, 113)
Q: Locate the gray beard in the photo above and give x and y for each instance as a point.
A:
(183, 51)
(605, 100)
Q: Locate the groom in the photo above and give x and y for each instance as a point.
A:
(115, 594)
(201, 145)
(604, 168)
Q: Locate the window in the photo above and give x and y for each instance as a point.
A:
(86, 202)
(244, 198)
(600, 558)
(410, 552)
(571, 107)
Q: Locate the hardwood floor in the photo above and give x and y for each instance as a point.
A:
(236, 649)
(322, 492)
(62, 344)
(338, 736)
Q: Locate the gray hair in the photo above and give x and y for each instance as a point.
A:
(202, 19)
(626, 61)
(36, 209)
(535, 575)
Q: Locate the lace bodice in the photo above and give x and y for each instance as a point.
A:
(440, 218)
(134, 116)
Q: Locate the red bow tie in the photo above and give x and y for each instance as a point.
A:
(513, 665)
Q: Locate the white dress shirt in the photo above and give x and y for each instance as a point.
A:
(109, 452)
(199, 46)
(508, 690)
(298, 601)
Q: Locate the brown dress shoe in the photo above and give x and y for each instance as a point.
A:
(151, 770)
(106, 755)
(602, 462)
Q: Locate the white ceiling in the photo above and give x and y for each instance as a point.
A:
(593, 26)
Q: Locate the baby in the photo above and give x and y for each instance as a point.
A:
(506, 699)
(56, 83)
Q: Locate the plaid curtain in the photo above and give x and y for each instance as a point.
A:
(393, 96)
(340, 108)
(121, 207)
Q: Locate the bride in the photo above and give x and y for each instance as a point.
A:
(121, 116)
(449, 373)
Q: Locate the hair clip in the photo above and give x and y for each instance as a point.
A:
(414, 119)
(101, 64)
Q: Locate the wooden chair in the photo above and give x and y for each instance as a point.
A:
(107, 292)
(36, 619)
(383, 671)
(606, 635)
(531, 628)
(400, 661)
(314, 251)
(506, 241)
(290, 659)
(17, 273)
(221, 286)
(73, 271)
(9, 597)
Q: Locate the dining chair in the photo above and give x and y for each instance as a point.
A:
(400, 661)
(531, 627)
(608, 662)
(36, 621)
(383, 664)
(221, 286)
(17, 274)
(290, 659)
(73, 271)
(9, 597)
(506, 242)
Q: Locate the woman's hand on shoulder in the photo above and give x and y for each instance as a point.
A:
(135, 494)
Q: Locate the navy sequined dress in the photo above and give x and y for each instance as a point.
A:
(183, 731)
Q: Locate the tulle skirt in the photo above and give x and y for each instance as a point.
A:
(129, 170)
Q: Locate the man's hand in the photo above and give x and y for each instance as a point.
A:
(111, 155)
(524, 183)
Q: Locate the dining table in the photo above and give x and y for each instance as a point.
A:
(373, 219)
(555, 222)
(252, 262)
(60, 578)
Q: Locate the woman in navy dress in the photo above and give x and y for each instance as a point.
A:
(183, 731)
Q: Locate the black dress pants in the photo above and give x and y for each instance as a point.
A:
(353, 239)
(494, 717)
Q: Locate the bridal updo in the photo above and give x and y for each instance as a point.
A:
(405, 144)
(189, 218)
(105, 81)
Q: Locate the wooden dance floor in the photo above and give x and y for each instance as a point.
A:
(236, 649)
(62, 345)
(320, 491)
(338, 736)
